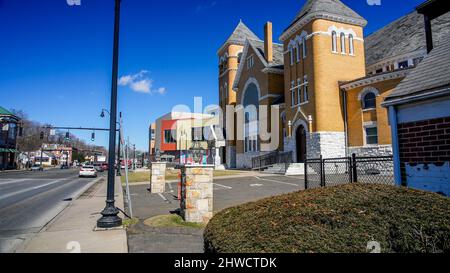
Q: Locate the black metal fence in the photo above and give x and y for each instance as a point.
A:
(265, 161)
(329, 172)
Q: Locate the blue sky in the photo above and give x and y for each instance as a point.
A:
(55, 60)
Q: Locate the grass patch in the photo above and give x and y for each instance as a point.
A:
(130, 222)
(136, 177)
(171, 175)
(172, 220)
(341, 219)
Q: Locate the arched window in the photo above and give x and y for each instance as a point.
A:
(334, 41)
(351, 44)
(297, 52)
(239, 57)
(304, 47)
(250, 101)
(343, 43)
(369, 101)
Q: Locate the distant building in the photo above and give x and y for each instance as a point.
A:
(9, 130)
(176, 132)
(151, 141)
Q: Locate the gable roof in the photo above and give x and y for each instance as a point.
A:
(278, 58)
(333, 10)
(403, 36)
(240, 34)
(429, 78)
(258, 47)
(5, 112)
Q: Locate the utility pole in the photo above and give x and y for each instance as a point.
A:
(134, 157)
(110, 218)
(119, 165)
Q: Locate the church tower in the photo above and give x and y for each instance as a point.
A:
(229, 56)
(323, 46)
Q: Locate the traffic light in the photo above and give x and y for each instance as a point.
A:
(41, 136)
(93, 136)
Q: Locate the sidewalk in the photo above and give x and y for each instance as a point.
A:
(73, 228)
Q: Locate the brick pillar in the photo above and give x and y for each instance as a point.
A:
(197, 194)
(158, 177)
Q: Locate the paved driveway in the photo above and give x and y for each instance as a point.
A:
(227, 193)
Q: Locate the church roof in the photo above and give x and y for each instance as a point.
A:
(278, 58)
(429, 78)
(240, 34)
(403, 36)
(329, 8)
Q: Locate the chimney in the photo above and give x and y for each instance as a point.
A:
(268, 42)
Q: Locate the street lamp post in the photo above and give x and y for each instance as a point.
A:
(110, 218)
(119, 165)
(102, 115)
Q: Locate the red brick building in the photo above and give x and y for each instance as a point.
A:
(419, 114)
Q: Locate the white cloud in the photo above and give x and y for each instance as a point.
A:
(162, 90)
(141, 83)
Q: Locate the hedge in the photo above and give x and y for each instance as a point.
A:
(342, 219)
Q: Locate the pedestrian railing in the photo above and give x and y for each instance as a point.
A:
(267, 160)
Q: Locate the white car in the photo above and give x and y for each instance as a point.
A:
(88, 171)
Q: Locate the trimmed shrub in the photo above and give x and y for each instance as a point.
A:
(342, 219)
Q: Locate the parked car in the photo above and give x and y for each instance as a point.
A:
(36, 167)
(88, 171)
(98, 167)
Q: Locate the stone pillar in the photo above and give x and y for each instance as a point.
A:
(197, 194)
(158, 177)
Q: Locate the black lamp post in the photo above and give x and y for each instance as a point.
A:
(102, 115)
(110, 218)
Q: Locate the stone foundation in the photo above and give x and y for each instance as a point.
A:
(327, 144)
(369, 151)
(158, 177)
(197, 194)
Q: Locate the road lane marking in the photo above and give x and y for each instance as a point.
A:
(164, 198)
(223, 186)
(13, 181)
(276, 181)
(2, 197)
(170, 187)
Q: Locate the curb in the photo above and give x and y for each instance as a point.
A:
(49, 223)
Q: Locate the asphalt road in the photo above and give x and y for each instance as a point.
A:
(30, 200)
(227, 193)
